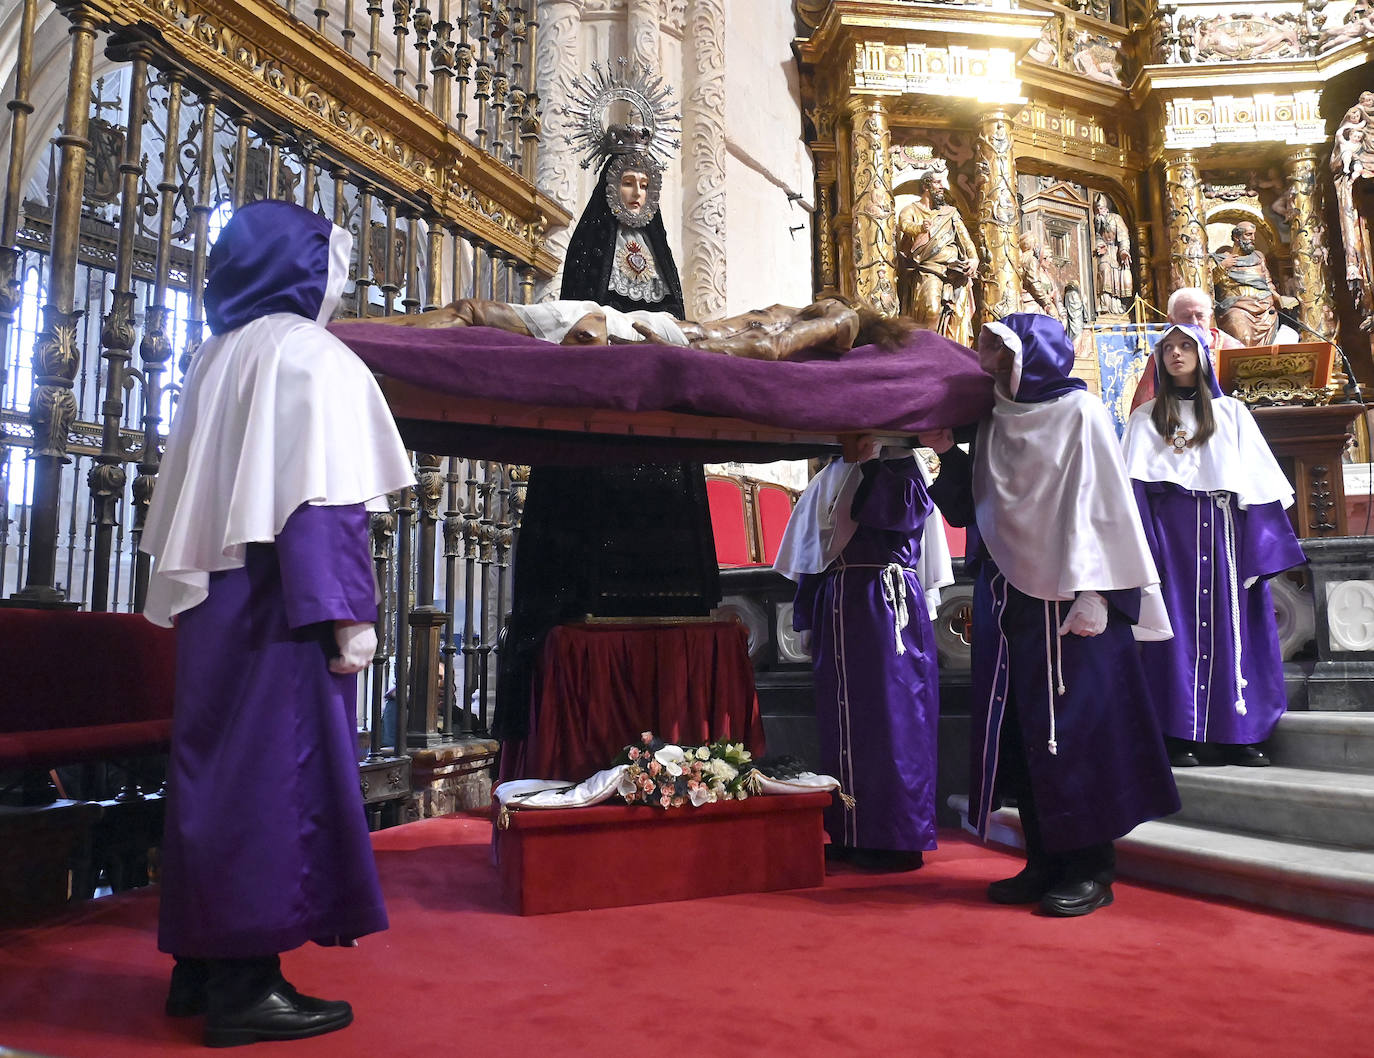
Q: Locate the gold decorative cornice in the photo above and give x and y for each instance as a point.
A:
(252, 51)
(848, 25)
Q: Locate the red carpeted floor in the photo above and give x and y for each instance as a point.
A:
(898, 965)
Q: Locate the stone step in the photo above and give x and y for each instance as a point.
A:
(1299, 804)
(1335, 884)
(1343, 741)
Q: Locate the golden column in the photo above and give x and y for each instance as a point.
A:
(1145, 256)
(1184, 214)
(874, 223)
(1310, 272)
(57, 350)
(998, 216)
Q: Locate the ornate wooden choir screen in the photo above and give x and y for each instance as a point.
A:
(411, 125)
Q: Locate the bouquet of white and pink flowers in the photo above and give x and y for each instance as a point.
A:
(669, 776)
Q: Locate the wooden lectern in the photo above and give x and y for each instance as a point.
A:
(1287, 388)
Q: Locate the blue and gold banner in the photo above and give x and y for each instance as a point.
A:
(1123, 353)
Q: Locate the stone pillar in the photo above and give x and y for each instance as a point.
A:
(1184, 214)
(998, 218)
(642, 32)
(874, 223)
(703, 162)
(557, 59)
(1310, 271)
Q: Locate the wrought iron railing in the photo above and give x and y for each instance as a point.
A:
(410, 125)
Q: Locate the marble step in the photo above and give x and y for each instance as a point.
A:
(1299, 804)
(1300, 877)
(1344, 741)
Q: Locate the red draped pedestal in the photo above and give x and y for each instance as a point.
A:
(599, 685)
(570, 859)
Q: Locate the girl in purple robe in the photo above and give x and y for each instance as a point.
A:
(1212, 500)
(866, 564)
(1060, 717)
(280, 446)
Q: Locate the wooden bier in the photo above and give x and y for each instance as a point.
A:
(410, 401)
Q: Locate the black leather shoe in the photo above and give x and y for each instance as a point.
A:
(1183, 758)
(1027, 887)
(1071, 899)
(1248, 757)
(282, 1014)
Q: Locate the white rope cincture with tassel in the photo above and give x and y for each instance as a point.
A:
(893, 579)
(1223, 502)
(1054, 674)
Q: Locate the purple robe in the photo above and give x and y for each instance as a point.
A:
(877, 711)
(1108, 771)
(1192, 677)
(266, 845)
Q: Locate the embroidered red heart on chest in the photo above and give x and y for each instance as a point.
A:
(635, 258)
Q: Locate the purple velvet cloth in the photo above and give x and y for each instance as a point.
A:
(266, 846)
(1191, 677)
(877, 711)
(929, 383)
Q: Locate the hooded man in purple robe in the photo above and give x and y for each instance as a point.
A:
(868, 560)
(280, 446)
(1060, 716)
(1212, 499)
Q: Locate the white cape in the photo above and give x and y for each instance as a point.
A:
(821, 526)
(1055, 508)
(1235, 459)
(274, 414)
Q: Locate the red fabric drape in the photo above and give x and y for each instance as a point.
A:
(598, 686)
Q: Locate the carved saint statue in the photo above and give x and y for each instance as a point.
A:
(1352, 157)
(1247, 301)
(936, 258)
(1075, 310)
(1038, 291)
(1115, 285)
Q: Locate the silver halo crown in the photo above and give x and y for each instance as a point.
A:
(656, 131)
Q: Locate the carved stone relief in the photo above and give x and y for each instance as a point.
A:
(1350, 614)
(1095, 56)
(1208, 38)
(1358, 24)
(703, 127)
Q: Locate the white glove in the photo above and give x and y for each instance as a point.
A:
(357, 642)
(1087, 616)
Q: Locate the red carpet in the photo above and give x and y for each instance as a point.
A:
(896, 965)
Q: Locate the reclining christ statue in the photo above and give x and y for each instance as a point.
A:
(828, 327)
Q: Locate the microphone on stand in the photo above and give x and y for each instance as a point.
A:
(1352, 385)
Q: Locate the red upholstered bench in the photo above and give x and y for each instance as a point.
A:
(80, 687)
(612, 855)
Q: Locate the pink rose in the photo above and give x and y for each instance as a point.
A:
(634, 753)
(655, 767)
(666, 801)
(677, 802)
